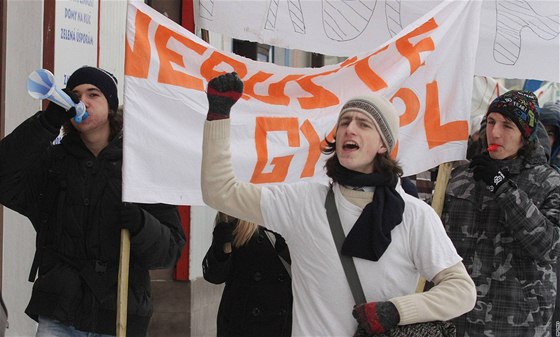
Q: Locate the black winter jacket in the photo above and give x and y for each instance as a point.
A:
(257, 298)
(72, 198)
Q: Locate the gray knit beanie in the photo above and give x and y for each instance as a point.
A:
(383, 114)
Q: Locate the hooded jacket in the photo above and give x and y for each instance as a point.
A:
(73, 200)
(509, 242)
(550, 115)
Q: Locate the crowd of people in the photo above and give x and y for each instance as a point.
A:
(287, 261)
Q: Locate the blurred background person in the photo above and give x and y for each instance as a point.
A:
(254, 263)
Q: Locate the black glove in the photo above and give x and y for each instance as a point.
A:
(55, 115)
(486, 169)
(222, 234)
(131, 217)
(222, 93)
(361, 333)
(375, 317)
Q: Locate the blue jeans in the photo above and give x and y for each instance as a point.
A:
(52, 328)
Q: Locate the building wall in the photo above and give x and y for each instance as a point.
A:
(23, 55)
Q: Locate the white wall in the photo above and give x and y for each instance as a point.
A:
(112, 30)
(23, 55)
(202, 224)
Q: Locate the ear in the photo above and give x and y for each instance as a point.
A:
(382, 149)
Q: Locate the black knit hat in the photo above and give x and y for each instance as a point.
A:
(102, 79)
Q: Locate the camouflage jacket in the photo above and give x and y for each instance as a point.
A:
(509, 243)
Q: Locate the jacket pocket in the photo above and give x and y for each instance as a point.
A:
(61, 284)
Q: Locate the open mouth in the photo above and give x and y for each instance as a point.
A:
(350, 145)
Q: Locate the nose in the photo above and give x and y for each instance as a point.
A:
(351, 128)
(496, 131)
(83, 98)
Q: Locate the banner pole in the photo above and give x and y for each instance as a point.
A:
(122, 291)
(444, 171)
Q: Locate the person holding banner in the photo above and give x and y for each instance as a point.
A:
(71, 193)
(254, 263)
(392, 238)
(502, 212)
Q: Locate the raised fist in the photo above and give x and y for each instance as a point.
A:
(223, 91)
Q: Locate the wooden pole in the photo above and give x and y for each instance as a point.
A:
(444, 171)
(122, 291)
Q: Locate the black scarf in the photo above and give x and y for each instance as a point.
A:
(371, 234)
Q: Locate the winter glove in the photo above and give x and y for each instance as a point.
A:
(55, 115)
(361, 333)
(131, 218)
(223, 91)
(222, 234)
(375, 317)
(486, 169)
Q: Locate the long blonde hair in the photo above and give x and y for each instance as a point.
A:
(243, 232)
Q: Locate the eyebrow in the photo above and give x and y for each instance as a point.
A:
(89, 90)
(505, 121)
(359, 118)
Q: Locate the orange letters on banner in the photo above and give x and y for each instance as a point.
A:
(137, 61)
(281, 164)
(249, 86)
(437, 134)
(275, 90)
(167, 57)
(412, 52)
(322, 98)
(314, 149)
(207, 69)
(329, 138)
(412, 105)
(367, 75)
(348, 61)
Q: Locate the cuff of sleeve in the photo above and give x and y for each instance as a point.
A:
(506, 186)
(217, 129)
(407, 310)
(53, 120)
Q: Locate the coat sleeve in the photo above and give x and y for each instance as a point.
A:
(221, 190)
(536, 228)
(453, 294)
(161, 240)
(23, 157)
(214, 270)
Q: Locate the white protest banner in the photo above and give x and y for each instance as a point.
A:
(518, 39)
(285, 114)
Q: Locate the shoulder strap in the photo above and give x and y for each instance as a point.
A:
(347, 261)
(272, 238)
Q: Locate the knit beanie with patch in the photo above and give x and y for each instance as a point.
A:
(382, 113)
(102, 79)
(522, 107)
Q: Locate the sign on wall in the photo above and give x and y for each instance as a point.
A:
(75, 38)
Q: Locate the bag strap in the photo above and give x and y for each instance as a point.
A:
(347, 261)
(272, 239)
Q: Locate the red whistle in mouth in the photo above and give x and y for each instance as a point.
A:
(492, 147)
